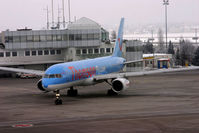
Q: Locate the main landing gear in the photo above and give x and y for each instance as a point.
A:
(72, 92)
(58, 100)
(110, 92)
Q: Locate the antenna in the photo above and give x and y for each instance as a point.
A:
(47, 15)
(58, 24)
(52, 14)
(64, 22)
(69, 10)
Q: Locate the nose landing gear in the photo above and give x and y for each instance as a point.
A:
(58, 100)
(72, 92)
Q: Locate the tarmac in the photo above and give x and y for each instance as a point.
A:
(160, 103)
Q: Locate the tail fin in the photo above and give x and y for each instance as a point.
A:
(118, 44)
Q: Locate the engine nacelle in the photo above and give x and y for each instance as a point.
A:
(39, 85)
(88, 81)
(120, 84)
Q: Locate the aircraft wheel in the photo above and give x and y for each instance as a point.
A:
(72, 93)
(58, 102)
(111, 93)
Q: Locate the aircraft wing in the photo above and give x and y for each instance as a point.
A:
(36, 72)
(134, 74)
(128, 62)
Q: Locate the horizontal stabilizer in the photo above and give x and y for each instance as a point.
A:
(134, 61)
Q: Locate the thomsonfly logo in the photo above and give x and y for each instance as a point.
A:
(82, 73)
(120, 44)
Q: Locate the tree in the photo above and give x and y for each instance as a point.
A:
(148, 48)
(161, 48)
(196, 57)
(113, 35)
(171, 49)
(186, 52)
(177, 57)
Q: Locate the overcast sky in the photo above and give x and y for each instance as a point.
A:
(30, 13)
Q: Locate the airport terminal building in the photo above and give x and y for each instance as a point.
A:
(39, 49)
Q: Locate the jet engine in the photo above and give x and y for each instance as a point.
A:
(39, 85)
(120, 84)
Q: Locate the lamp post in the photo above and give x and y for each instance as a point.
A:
(166, 2)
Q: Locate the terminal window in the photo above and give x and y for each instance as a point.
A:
(65, 37)
(49, 38)
(16, 39)
(96, 36)
(14, 53)
(84, 51)
(108, 50)
(27, 53)
(40, 52)
(1, 54)
(42, 38)
(46, 52)
(84, 36)
(7, 54)
(23, 38)
(71, 37)
(102, 50)
(29, 38)
(78, 37)
(90, 51)
(90, 36)
(59, 37)
(54, 37)
(58, 51)
(78, 52)
(96, 51)
(8, 39)
(36, 38)
(52, 52)
(33, 53)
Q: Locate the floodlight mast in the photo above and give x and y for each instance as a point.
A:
(166, 3)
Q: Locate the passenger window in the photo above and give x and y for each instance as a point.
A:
(58, 76)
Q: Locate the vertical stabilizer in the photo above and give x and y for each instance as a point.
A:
(118, 44)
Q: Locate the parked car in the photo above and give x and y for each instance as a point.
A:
(25, 75)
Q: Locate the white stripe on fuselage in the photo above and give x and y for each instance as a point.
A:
(83, 82)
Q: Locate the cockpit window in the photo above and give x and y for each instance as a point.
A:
(52, 76)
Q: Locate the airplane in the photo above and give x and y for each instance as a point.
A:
(89, 72)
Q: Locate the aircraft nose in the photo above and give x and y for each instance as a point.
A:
(45, 86)
(44, 83)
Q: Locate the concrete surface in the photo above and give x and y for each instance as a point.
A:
(156, 103)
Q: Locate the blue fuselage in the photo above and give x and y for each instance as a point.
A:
(64, 75)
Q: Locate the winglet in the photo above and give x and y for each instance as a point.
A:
(118, 44)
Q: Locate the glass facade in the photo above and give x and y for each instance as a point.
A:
(44, 38)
